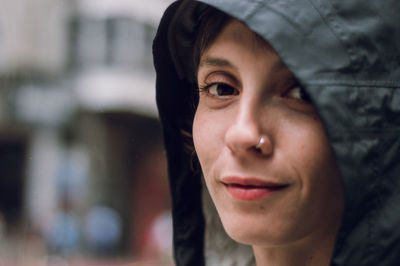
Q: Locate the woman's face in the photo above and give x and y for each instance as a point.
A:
(289, 189)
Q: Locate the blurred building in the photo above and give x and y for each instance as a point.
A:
(80, 142)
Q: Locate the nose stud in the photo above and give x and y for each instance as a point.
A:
(260, 142)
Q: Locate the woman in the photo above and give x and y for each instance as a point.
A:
(303, 174)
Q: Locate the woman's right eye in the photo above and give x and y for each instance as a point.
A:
(221, 90)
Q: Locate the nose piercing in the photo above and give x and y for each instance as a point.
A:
(260, 142)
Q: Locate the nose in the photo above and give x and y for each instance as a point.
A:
(247, 135)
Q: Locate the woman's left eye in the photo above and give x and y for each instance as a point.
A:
(221, 90)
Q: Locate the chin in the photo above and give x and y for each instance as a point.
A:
(247, 236)
(256, 228)
(251, 230)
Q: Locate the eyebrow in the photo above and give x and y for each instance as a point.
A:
(216, 62)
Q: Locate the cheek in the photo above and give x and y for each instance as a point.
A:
(208, 138)
(203, 138)
(305, 145)
(318, 174)
(316, 155)
(199, 134)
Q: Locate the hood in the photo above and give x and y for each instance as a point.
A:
(346, 53)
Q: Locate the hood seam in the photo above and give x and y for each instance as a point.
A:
(355, 83)
(331, 19)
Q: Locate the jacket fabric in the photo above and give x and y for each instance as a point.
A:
(346, 53)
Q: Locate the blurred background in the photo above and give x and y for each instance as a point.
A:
(82, 169)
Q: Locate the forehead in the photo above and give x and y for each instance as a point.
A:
(239, 48)
(236, 31)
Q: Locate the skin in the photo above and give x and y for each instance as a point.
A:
(245, 92)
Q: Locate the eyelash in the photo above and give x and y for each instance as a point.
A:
(207, 88)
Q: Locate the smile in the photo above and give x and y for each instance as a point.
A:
(251, 189)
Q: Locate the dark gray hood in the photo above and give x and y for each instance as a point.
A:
(346, 53)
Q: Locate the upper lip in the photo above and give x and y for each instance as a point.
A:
(251, 182)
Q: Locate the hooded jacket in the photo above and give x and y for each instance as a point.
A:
(346, 53)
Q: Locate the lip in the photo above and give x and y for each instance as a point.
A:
(251, 189)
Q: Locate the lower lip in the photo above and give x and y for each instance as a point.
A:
(247, 193)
